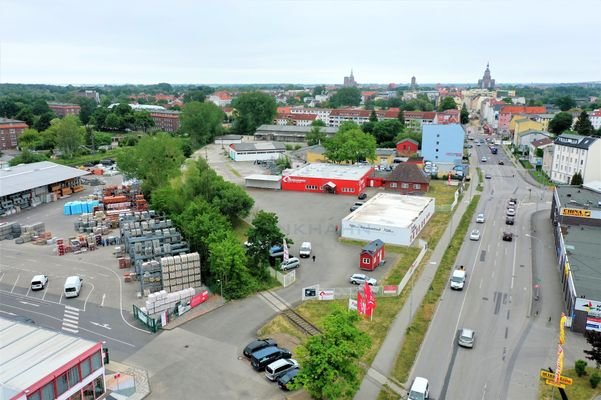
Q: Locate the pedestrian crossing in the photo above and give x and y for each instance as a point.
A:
(71, 319)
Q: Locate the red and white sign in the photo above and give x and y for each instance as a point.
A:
(326, 294)
(390, 289)
(352, 304)
(199, 298)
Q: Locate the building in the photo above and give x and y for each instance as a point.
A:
(392, 218)
(63, 109)
(90, 94)
(226, 140)
(288, 133)
(295, 119)
(507, 112)
(413, 85)
(416, 119)
(165, 120)
(273, 182)
(340, 115)
(349, 81)
(37, 364)
(447, 117)
(546, 146)
(385, 156)
(443, 144)
(595, 118)
(10, 130)
(221, 99)
(407, 147)
(407, 179)
(575, 153)
(486, 82)
(327, 178)
(372, 254)
(256, 151)
(29, 185)
(576, 219)
(523, 139)
(322, 114)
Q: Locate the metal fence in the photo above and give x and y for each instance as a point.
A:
(146, 319)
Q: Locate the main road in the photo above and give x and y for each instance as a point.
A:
(497, 299)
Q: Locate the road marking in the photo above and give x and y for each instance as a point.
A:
(1, 276)
(72, 308)
(481, 280)
(88, 296)
(102, 302)
(28, 303)
(9, 313)
(105, 326)
(70, 330)
(15, 283)
(71, 319)
(45, 291)
(70, 325)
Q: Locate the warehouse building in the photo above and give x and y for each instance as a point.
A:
(39, 364)
(289, 133)
(226, 140)
(392, 218)
(327, 178)
(29, 185)
(256, 151)
(273, 182)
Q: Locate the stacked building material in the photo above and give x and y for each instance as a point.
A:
(180, 272)
(10, 230)
(93, 223)
(80, 207)
(162, 301)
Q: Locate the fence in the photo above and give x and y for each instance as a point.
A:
(424, 245)
(146, 319)
(285, 279)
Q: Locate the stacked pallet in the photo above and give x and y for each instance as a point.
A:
(180, 272)
(162, 301)
(10, 230)
(93, 223)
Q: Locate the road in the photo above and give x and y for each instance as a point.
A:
(497, 299)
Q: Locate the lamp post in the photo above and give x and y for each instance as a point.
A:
(221, 285)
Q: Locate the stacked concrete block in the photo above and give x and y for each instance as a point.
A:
(162, 301)
(180, 272)
(10, 230)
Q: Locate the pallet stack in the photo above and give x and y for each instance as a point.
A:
(10, 230)
(30, 232)
(162, 301)
(180, 272)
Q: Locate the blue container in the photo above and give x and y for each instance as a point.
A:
(67, 208)
(76, 208)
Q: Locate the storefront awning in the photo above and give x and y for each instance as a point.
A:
(330, 184)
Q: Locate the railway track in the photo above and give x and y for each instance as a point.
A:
(297, 320)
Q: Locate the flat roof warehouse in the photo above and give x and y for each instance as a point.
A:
(390, 209)
(330, 171)
(30, 176)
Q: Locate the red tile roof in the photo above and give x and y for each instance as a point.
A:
(346, 112)
(420, 114)
(297, 117)
(523, 110)
(283, 110)
(223, 95)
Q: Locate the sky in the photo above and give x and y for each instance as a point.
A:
(305, 42)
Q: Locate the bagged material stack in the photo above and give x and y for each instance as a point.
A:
(180, 272)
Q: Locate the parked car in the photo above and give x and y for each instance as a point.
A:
(278, 368)
(262, 358)
(292, 263)
(357, 205)
(501, 162)
(305, 250)
(359, 279)
(276, 251)
(507, 236)
(287, 379)
(257, 345)
(39, 282)
(483, 159)
(466, 338)
(362, 196)
(480, 218)
(475, 235)
(420, 389)
(509, 220)
(511, 212)
(488, 176)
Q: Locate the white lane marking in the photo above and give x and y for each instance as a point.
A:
(105, 326)
(6, 312)
(45, 291)
(515, 251)
(32, 261)
(480, 286)
(71, 308)
(70, 330)
(70, 325)
(28, 303)
(15, 283)
(1, 276)
(28, 289)
(88, 296)
(102, 302)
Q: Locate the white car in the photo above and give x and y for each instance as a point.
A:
(39, 282)
(480, 219)
(475, 235)
(305, 250)
(483, 159)
(466, 338)
(511, 212)
(359, 279)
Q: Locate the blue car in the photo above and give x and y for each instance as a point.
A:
(287, 379)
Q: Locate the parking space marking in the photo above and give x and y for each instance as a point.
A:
(88, 296)
(103, 297)
(15, 283)
(25, 297)
(45, 290)
(1, 276)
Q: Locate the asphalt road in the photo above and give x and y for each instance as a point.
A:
(496, 301)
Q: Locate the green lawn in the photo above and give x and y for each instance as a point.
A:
(580, 389)
(80, 160)
(241, 229)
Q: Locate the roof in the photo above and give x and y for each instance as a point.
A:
(578, 197)
(350, 112)
(408, 140)
(12, 122)
(229, 137)
(258, 146)
(260, 177)
(534, 132)
(523, 110)
(541, 142)
(330, 171)
(372, 246)
(297, 116)
(293, 129)
(404, 172)
(390, 209)
(419, 114)
(29, 353)
(50, 104)
(29, 176)
(577, 141)
(385, 152)
(585, 263)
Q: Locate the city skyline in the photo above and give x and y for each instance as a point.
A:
(304, 42)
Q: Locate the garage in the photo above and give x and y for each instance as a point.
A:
(226, 140)
(263, 181)
(327, 178)
(256, 151)
(393, 218)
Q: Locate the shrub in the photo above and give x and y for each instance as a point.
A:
(595, 379)
(298, 146)
(580, 367)
(289, 147)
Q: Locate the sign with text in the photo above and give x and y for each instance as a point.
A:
(352, 304)
(564, 380)
(199, 298)
(326, 294)
(575, 212)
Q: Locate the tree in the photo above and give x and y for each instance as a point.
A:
(560, 122)
(199, 94)
(594, 339)
(464, 115)
(30, 139)
(232, 201)
(507, 100)
(352, 146)
(39, 107)
(347, 126)
(315, 136)
(576, 179)
(447, 103)
(112, 122)
(143, 120)
(565, 103)
(227, 263)
(263, 234)
(583, 125)
(202, 121)
(252, 110)
(69, 135)
(348, 96)
(102, 139)
(373, 117)
(86, 108)
(329, 360)
(42, 122)
(385, 131)
(318, 122)
(25, 114)
(319, 89)
(401, 117)
(155, 160)
(27, 157)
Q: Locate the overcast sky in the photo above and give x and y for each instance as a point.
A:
(214, 41)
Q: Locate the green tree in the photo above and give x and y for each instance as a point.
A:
(348, 96)
(232, 201)
(318, 122)
(350, 146)
(447, 103)
(385, 131)
(561, 121)
(102, 139)
(98, 118)
(329, 361)
(319, 89)
(580, 367)
(69, 135)
(113, 122)
(155, 160)
(464, 115)
(40, 106)
(401, 117)
(252, 110)
(347, 126)
(594, 340)
(202, 121)
(565, 103)
(27, 157)
(87, 107)
(507, 100)
(373, 117)
(228, 264)
(42, 122)
(576, 179)
(263, 234)
(25, 114)
(583, 125)
(199, 94)
(315, 136)
(142, 120)
(30, 139)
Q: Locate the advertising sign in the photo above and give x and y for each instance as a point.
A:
(564, 380)
(326, 294)
(574, 212)
(199, 298)
(352, 304)
(390, 289)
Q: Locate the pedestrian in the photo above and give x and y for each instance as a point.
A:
(313, 257)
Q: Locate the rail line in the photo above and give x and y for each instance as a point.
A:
(297, 320)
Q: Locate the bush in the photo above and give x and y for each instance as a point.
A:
(289, 147)
(595, 379)
(580, 367)
(298, 146)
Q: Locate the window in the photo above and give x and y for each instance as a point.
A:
(437, 142)
(61, 384)
(96, 361)
(85, 368)
(73, 376)
(48, 391)
(404, 185)
(417, 186)
(365, 260)
(98, 387)
(35, 396)
(88, 392)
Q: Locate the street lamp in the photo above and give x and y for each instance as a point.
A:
(221, 285)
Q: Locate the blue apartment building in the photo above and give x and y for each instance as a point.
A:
(443, 144)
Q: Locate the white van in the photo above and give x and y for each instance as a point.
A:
(420, 390)
(72, 286)
(458, 279)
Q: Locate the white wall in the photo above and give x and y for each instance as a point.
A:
(254, 156)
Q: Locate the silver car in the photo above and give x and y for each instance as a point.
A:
(292, 263)
(475, 235)
(466, 338)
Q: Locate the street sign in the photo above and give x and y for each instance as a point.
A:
(551, 376)
(552, 383)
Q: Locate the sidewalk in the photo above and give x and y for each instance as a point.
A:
(213, 302)
(126, 382)
(383, 364)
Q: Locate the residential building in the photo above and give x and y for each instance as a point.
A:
(543, 119)
(524, 125)
(595, 118)
(349, 81)
(322, 114)
(415, 119)
(221, 99)
(315, 154)
(447, 117)
(90, 94)
(10, 130)
(443, 144)
(164, 120)
(63, 109)
(486, 82)
(294, 119)
(385, 156)
(523, 139)
(507, 112)
(541, 144)
(288, 133)
(407, 147)
(575, 153)
(407, 179)
(358, 116)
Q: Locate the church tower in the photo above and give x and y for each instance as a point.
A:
(486, 82)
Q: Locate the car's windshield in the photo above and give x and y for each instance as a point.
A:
(457, 279)
(413, 395)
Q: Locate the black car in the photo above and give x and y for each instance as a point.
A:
(362, 196)
(258, 345)
(509, 220)
(501, 163)
(507, 236)
(287, 379)
(262, 358)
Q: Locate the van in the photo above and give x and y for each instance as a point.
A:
(420, 390)
(458, 279)
(72, 286)
(278, 368)
(262, 358)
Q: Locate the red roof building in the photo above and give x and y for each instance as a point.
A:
(10, 130)
(507, 112)
(62, 109)
(371, 255)
(295, 119)
(407, 179)
(407, 147)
